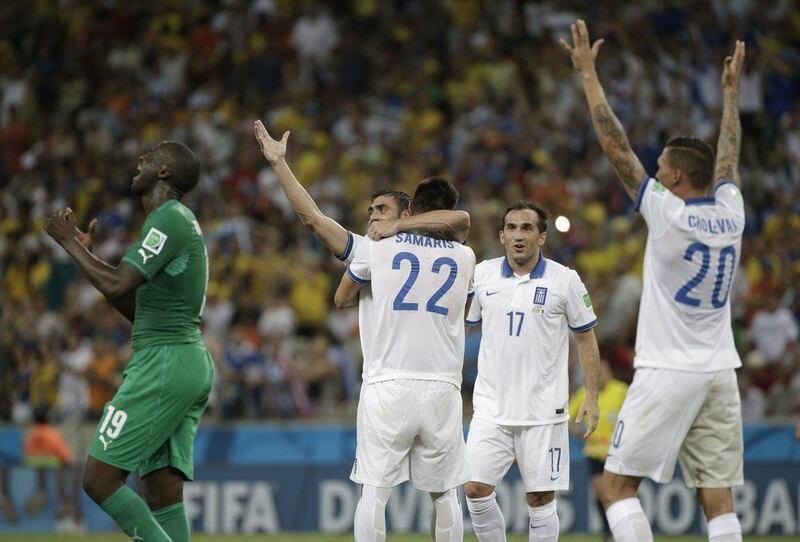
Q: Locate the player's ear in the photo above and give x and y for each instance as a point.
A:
(502, 236)
(164, 172)
(406, 213)
(542, 239)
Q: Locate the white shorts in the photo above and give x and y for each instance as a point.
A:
(410, 430)
(541, 451)
(670, 414)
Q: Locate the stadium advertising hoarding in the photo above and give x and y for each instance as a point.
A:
(256, 499)
(258, 478)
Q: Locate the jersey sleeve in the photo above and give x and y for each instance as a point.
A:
(471, 286)
(474, 316)
(164, 235)
(353, 240)
(729, 195)
(658, 206)
(580, 313)
(359, 269)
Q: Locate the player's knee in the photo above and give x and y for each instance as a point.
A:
(615, 487)
(95, 486)
(476, 490)
(160, 493)
(540, 498)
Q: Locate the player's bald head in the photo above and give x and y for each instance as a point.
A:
(182, 163)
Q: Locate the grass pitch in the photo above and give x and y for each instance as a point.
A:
(325, 538)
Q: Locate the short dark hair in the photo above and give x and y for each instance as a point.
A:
(694, 157)
(400, 198)
(183, 164)
(541, 214)
(434, 194)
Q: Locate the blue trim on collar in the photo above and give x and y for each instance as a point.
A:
(347, 248)
(642, 188)
(505, 269)
(708, 200)
(585, 327)
(537, 273)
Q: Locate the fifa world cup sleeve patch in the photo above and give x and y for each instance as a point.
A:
(154, 241)
(587, 300)
(153, 244)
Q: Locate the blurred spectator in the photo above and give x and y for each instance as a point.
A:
(773, 330)
(47, 450)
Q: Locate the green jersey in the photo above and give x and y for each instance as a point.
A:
(171, 255)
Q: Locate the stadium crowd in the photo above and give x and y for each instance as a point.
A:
(376, 94)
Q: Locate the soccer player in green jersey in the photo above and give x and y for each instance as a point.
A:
(160, 286)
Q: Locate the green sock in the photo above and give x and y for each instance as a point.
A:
(173, 520)
(133, 516)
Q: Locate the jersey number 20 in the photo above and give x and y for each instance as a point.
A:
(399, 301)
(727, 253)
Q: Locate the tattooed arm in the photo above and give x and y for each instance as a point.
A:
(730, 132)
(606, 124)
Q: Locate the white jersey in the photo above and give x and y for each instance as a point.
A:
(420, 286)
(523, 358)
(693, 249)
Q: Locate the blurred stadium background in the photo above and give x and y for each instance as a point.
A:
(377, 94)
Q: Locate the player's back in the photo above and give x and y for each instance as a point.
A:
(420, 286)
(171, 253)
(693, 249)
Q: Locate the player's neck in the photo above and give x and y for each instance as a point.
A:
(524, 268)
(694, 194)
(160, 194)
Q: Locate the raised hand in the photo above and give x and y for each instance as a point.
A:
(733, 67)
(61, 226)
(273, 151)
(581, 53)
(85, 238)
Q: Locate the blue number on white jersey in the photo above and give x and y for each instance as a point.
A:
(399, 301)
(727, 253)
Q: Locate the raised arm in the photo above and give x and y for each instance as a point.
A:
(730, 132)
(589, 358)
(328, 230)
(606, 124)
(117, 284)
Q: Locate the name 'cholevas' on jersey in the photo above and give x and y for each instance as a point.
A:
(693, 249)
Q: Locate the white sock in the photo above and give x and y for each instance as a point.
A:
(725, 528)
(370, 520)
(544, 523)
(487, 519)
(628, 522)
(448, 520)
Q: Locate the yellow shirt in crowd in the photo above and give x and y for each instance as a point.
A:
(609, 403)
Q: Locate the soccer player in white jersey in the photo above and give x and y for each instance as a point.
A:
(385, 206)
(683, 402)
(526, 306)
(410, 414)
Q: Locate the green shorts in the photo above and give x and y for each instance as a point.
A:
(151, 422)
